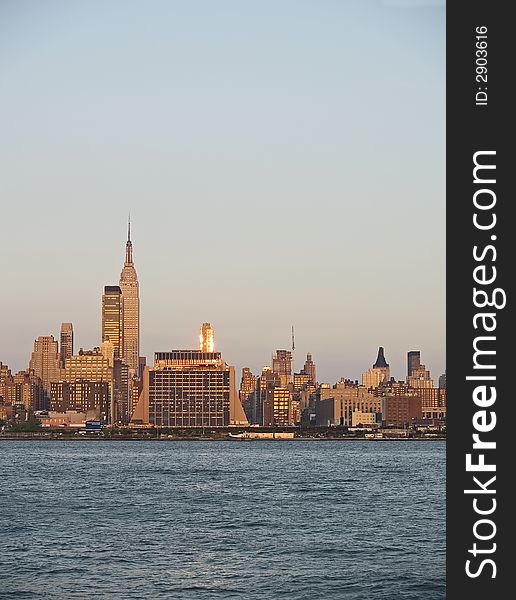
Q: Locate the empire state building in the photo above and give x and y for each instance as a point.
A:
(131, 314)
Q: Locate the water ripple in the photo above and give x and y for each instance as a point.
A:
(205, 520)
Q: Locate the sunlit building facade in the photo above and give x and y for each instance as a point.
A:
(335, 405)
(66, 342)
(277, 407)
(112, 318)
(81, 395)
(131, 310)
(45, 361)
(282, 366)
(27, 389)
(189, 388)
(247, 391)
(6, 379)
(89, 365)
(309, 368)
(206, 338)
(378, 374)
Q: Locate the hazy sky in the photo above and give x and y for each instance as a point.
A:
(282, 160)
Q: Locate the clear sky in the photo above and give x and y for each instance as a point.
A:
(283, 162)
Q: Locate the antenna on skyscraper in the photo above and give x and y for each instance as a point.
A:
(129, 228)
(293, 344)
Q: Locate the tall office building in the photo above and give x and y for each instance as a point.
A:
(282, 366)
(413, 361)
(6, 379)
(442, 381)
(112, 318)
(265, 384)
(277, 407)
(206, 338)
(189, 388)
(131, 314)
(247, 392)
(309, 368)
(419, 377)
(45, 361)
(92, 366)
(66, 342)
(121, 392)
(27, 390)
(247, 384)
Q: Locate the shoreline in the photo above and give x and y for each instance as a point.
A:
(58, 438)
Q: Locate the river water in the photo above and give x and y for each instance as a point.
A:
(301, 519)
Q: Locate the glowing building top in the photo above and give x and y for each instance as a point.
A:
(206, 338)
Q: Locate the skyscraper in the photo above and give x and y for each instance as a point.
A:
(442, 381)
(66, 342)
(189, 388)
(5, 379)
(27, 389)
(112, 318)
(131, 315)
(413, 361)
(282, 366)
(45, 361)
(247, 389)
(206, 338)
(309, 368)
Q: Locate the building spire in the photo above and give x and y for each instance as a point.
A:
(129, 245)
(380, 363)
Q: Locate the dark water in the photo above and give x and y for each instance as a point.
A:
(210, 520)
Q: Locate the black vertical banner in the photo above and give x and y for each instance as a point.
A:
(480, 315)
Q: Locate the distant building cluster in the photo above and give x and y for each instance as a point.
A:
(277, 397)
(112, 384)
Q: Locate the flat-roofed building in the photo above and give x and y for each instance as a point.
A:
(277, 408)
(82, 396)
(365, 419)
(113, 318)
(301, 381)
(27, 389)
(90, 365)
(401, 411)
(335, 405)
(189, 388)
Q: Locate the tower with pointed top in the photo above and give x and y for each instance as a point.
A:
(378, 374)
(131, 315)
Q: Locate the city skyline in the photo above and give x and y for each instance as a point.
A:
(269, 170)
(111, 330)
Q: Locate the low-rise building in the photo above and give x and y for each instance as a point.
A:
(401, 411)
(335, 405)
